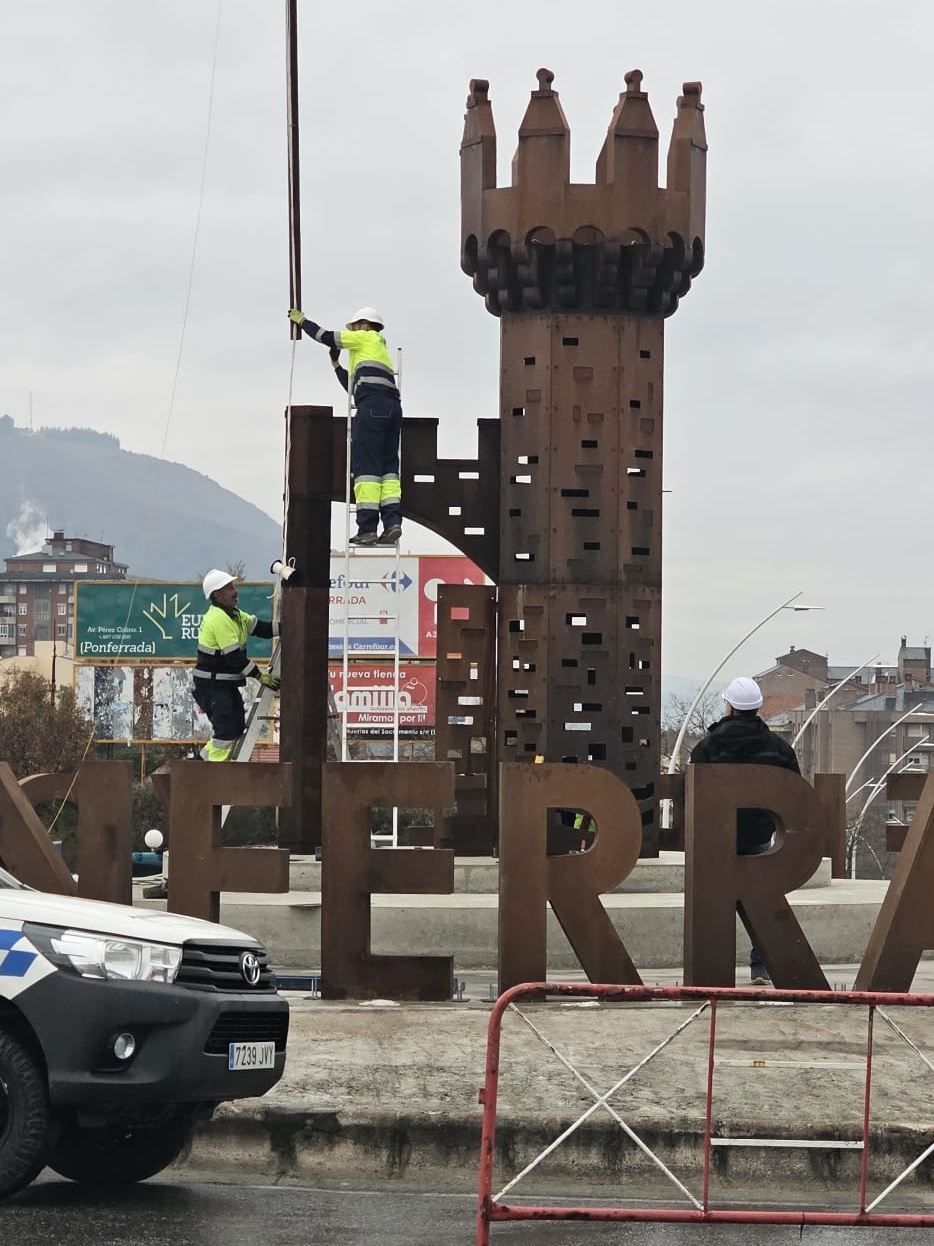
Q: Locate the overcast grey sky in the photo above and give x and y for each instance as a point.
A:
(799, 369)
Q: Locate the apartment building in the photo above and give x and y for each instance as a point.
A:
(37, 592)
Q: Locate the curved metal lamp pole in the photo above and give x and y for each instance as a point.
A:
(854, 838)
(807, 722)
(878, 740)
(676, 751)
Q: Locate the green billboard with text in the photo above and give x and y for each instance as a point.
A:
(126, 622)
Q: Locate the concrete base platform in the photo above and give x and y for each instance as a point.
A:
(480, 875)
(837, 920)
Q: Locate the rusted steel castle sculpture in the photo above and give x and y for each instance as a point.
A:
(582, 278)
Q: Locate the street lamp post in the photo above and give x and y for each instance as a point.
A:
(878, 740)
(856, 835)
(843, 682)
(786, 605)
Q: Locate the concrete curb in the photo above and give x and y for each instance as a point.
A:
(415, 1149)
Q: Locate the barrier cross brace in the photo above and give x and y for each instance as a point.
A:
(491, 1207)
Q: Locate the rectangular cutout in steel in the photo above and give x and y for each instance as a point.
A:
(645, 354)
(460, 613)
(640, 551)
(590, 444)
(579, 512)
(570, 341)
(575, 493)
(529, 360)
(423, 480)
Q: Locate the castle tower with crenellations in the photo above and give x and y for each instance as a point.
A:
(582, 277)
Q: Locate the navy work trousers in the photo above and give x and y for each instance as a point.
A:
(374, 457)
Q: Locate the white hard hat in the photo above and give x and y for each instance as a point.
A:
(216, 579)
(367, 313)
(743, 694)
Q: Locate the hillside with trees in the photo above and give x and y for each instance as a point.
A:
(164, 520)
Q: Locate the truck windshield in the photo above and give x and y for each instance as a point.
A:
(7, 880)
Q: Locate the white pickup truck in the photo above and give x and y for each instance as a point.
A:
(120, 1028)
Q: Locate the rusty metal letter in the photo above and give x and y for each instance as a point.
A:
(201, 868)
(718, 883)
(905, 925)
(25, 845)
(352, 871)
(528, 878)
(102, 792)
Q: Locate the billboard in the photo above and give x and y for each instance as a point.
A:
(369, 698)
(152, 623)
(366, 601)
(144, 704)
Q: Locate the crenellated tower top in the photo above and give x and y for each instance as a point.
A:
(622, 244)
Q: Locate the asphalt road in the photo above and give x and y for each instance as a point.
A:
(187, 1213)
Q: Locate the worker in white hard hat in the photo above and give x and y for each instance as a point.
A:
(741, 736)
(377, 424)
(223, 667)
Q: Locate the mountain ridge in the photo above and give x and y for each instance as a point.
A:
(164, 520)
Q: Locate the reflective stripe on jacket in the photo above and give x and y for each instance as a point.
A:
(222, 644)
(369, 365)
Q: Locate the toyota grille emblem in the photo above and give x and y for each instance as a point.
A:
(250, 968)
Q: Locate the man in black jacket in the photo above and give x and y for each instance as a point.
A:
(742, 737)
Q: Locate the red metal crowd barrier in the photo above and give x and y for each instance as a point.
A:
(492, 1209)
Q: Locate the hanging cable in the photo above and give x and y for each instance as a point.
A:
(148, 526)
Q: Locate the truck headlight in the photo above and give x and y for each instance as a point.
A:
(101, 956)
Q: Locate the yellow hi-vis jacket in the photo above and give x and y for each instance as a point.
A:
(222, 638)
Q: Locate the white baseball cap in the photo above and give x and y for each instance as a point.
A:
(743, 693)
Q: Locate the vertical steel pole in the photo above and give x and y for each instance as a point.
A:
(295, 225)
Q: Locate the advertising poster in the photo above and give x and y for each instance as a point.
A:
(377, 590)
(369, 698)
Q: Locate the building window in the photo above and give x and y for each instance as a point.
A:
(21, 651)
(23, 607)
(22, 629)
(62, 588)
(22, 588)
(61, 630)
(68, 547)
(80, 568)
(62, 608)
(50, 566)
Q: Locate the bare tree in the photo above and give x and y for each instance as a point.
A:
(708, 710)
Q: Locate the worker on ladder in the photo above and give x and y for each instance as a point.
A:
(223, 666)
(377, 425)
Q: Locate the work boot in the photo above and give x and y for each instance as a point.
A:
(363, 538)
(391, 535)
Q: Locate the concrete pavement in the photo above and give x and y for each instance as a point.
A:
(391, 1091)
